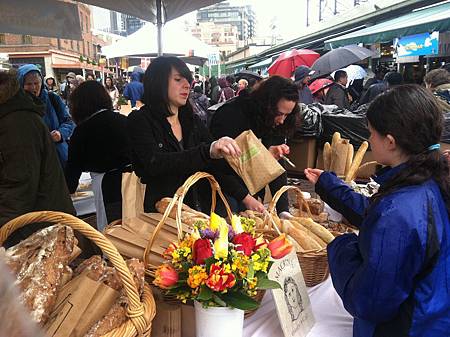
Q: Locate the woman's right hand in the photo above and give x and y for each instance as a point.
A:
(224, 146)
(253, 204)
(313, 174)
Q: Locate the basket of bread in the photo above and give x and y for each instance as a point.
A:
(93, 297)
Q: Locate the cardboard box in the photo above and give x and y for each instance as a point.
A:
(167, 322)
(303, 154)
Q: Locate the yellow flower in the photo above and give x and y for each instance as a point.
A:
(236, 224)
(221, 244)
(241, 264)
(215, 221)
(197, 276)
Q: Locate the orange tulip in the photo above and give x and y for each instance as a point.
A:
(280, 247)
(165, 277)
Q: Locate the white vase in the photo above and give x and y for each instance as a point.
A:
(218, 321)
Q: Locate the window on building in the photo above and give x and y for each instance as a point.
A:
(2, 39)
(26, 39)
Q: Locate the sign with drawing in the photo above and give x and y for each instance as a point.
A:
(292, 301)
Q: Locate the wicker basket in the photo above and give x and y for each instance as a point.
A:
(314, 263)
(141, 311)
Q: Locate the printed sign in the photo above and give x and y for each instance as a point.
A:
(292, 300)
(416, 45)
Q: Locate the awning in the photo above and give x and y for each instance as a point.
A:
(262, 64)
(429, 19)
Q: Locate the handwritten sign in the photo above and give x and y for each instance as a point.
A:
(292, 301)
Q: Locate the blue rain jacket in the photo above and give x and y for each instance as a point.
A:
(394, 278)
(56, 117)
(135, 89)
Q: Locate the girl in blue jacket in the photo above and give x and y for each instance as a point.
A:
(394, 277)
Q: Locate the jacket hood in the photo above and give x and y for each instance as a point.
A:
(24, 70)
(135, 76)
(9, 85)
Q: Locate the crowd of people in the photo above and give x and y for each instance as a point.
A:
(391, 277)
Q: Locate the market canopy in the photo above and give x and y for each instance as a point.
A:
(436, 18)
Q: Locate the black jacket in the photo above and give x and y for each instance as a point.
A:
(231, 119)
(160, 161)
(337, 95)
(99, 144)
(31, 178)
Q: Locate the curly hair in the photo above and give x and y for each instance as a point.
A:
(88, 98)
(267, 96)
(411, 115)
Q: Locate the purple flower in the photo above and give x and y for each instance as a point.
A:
(231, 233)
(208, 234)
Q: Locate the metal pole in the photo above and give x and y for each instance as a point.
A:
(159, 26)
(307, 13)
(320, 10)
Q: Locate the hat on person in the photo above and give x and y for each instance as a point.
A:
(301, 72)
(71, 75)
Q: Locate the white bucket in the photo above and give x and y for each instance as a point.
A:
(218, 321)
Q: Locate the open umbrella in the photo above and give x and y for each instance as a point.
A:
(288, 61)
(319, 84)
(354, 72)
(340, 58)
(248, 75)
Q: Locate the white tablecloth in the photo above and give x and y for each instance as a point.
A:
(331, 317)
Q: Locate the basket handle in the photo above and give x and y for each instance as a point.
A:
(135, 310)
(178, 200)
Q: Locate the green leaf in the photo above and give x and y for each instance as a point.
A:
(208, 262)
(205, 294)
(218, 300)
(251, 271)
(240, 301)
(264, 283)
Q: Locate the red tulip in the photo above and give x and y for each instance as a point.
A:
(165, 277)
(219, 280)
(201, 251)
(245, 243)
(280, 247)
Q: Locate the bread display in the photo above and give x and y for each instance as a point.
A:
(40, 264)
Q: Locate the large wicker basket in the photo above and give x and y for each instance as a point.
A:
(140, 311)
(314, 263)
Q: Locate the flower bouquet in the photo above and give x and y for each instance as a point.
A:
(218, 265)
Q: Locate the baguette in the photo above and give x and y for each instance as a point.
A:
(317, 229)
(339, 155)
(334, 141)
(303, 239)
(326, 156)
(350, 153)
(310, 234)
(357, 161)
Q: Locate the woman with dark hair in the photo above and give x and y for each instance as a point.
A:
(51, 85)
(226, 92)
(112, 91)
(438, 81)
(99, 145)
(169, 142)
(393, 276)
(271, 112)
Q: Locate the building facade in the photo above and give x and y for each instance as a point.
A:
(241, 17)
(131, 24)
(224, 36)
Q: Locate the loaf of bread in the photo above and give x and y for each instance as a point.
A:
(316, 206)
(317, 229)
(40, 265)
(305, 241)
(311, 234)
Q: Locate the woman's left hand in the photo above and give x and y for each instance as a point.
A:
(56, 136)
(224, 146)
(279, 151)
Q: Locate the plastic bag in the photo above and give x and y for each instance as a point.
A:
(445, 138)
(350, 126)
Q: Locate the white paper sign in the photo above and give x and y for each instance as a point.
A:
(292, 301)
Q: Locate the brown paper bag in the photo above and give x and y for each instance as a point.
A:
(133, 192)
(256, 166)
(80, 304)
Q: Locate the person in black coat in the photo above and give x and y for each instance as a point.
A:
(338, 94)
(99, 144)
(271, 112)
(169, 142)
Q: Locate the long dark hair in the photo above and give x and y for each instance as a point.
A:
(156, 82)
(411, 115)
(267, 96)
(88, 98)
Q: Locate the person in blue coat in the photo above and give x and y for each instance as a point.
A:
(56, 117)
(394, 277)
(134, 91)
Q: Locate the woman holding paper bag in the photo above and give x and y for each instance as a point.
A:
(271, 112)
(393, 276)
(169, 142)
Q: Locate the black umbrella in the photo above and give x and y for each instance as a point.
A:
(339, 58)
(248, 75)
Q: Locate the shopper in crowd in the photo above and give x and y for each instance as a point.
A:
(302, 76)
(169, 142)
(134, 90)
(271, 112)
(392, 276)
(68, 86)
(31, 178)
(56, 116)
(438, 81)
(391, 79)
(90, 77)
(207, 87)
(242, 87)
(51, 85)
(226, 92)
(112, 91)
(215, 91)
(199, 103)
(232, 82)
(99, 145)
(338, 94)
(197, 81)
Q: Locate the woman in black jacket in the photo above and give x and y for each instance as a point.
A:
(271, 112)
(170, 143)
(99, 145)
